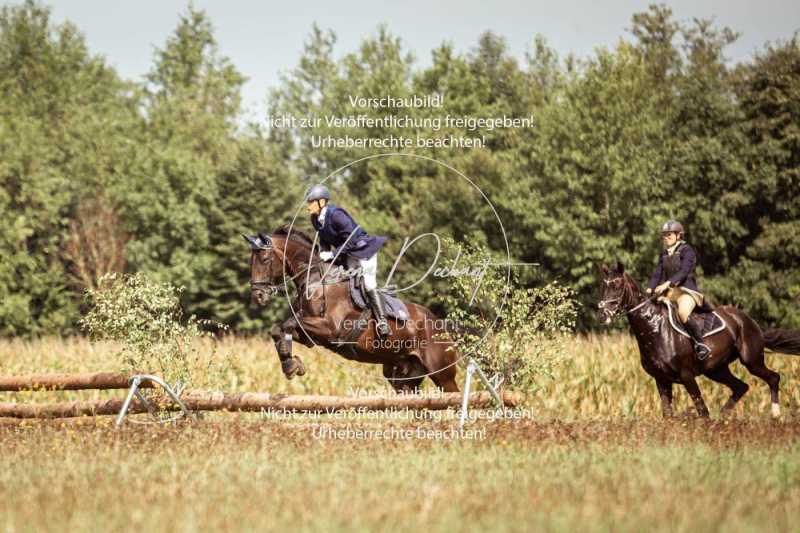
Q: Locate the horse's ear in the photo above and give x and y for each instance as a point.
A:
(263, 237)
(249, 239)
(620, 267)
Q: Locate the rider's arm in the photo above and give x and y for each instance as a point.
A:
(688, 261)
(656, 277)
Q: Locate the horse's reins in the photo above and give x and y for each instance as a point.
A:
(641, 304)
(264, 283)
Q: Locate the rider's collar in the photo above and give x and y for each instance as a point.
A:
(670, 250)
(321, 216)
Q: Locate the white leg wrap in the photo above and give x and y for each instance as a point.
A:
(776, 410)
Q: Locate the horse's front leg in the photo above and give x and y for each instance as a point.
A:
(665, 393)
(694, 391)
(282, 337)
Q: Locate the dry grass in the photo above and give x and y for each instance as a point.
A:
(604, 378)
(601, 378)
(255, 475)
(595, 455)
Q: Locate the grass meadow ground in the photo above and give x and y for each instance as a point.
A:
(591, 452)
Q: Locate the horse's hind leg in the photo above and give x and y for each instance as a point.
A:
(441, 371)
(752, 356)
(738, 387)
(756, 366)
(445, 379)
(406, 375)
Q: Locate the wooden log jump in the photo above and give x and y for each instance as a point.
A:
(258, 402)
(88, 381)
(215, 401)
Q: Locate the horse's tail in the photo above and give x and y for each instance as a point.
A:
(783, 340)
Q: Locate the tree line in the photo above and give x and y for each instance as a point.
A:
(102, 174)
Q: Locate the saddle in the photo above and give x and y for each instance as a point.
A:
(394, 306)
(709, 322)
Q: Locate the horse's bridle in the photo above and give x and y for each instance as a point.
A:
(603, 303)
(266, 284)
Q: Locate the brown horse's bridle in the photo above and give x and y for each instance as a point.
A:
(603, 304)
(266, 284)
(619, 300)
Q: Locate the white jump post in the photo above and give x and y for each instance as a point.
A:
(472, 368)
(136, 381)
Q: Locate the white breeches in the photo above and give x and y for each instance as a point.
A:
(368, 268)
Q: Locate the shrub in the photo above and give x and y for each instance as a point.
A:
(147, 319)
(517, 333)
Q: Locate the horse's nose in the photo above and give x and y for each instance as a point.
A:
(601, 305)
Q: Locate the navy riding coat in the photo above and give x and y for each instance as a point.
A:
(677, 268)
(335, 234)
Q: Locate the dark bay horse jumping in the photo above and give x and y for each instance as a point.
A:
(670, 357)
(325, 314)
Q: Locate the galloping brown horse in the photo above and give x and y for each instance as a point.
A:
(323, 313)
(670, 357)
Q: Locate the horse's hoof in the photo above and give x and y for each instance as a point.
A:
(293, 367)
(301, 367)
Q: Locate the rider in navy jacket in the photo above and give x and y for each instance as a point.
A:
(349, 245)
(674, 278)
(336, 233)
(684, 277)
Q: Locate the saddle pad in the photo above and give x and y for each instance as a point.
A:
(394, 306)
(710, 323)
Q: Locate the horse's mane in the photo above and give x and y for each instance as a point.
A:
(294, 234)
(633, 282)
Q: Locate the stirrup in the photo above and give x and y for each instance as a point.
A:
(382, 327)
(698, 350)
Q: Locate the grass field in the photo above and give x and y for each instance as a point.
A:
(601, 377)
(591, 453)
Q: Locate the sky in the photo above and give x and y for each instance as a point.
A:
(265, 38)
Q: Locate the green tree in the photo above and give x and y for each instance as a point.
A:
(766, 281)
(191, 104)
(62, 114)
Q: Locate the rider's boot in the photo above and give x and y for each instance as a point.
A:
(376, 304)
(700, 348)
